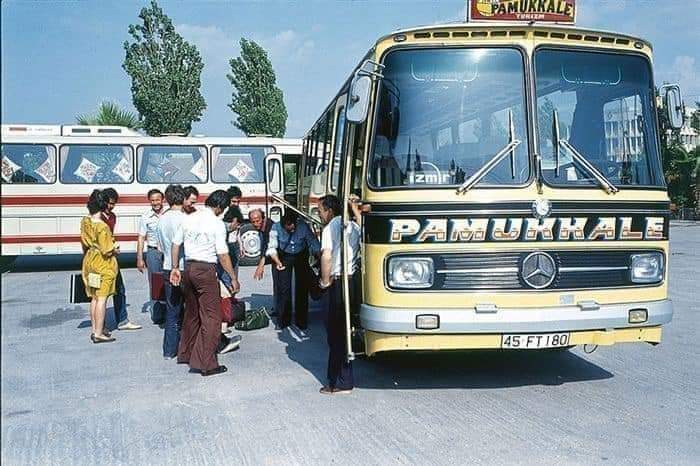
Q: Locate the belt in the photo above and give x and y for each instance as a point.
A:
(192, 261)
(282, 251)
(152, 247)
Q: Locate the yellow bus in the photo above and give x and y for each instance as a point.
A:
(512, 186)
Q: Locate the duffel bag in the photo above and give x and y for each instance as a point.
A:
(254, 319)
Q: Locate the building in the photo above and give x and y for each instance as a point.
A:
(689, 137)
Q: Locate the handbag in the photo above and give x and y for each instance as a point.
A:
(237, 310)
(254, 320)
(232, 310)
(94, 280)
(157, 287)
(77, 290)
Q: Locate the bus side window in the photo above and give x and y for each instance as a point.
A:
(172, 164)
(28, 164)
(97, 164)
(357, 139)
(238, 164)
(338, 152)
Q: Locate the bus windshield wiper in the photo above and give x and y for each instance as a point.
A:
(557, 142)
(495, 160)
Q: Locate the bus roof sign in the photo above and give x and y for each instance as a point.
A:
(548, 11)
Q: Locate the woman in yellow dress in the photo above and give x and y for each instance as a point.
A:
(99, 264)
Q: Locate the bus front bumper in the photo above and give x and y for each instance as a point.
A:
(388, 329)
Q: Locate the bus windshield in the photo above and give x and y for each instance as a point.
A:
(444, 113)
(598, 105)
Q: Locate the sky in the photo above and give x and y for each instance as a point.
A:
(61, 58)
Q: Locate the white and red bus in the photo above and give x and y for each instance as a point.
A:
(48, 172)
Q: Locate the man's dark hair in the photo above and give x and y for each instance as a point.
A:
(218, 198)
(190, 190)
(154, 191)
(234, 191)
(290, 217)
(175, 194)
(233, 212)
(97, 202)
(331, 202)
(111, 194)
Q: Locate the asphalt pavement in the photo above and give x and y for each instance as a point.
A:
(68, 401)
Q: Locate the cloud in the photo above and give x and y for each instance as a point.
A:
(684, 71)
(288, 46)
(215, 45)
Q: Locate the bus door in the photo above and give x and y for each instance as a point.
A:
(349, 143)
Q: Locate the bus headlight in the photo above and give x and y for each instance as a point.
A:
(647, 268)
(410, 272)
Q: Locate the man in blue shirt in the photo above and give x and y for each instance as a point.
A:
(291, 242)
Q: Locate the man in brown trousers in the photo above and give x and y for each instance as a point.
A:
(203, 235)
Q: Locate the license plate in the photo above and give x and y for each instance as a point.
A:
(534, 340)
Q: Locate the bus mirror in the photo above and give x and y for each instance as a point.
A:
(673, 102)
(358, 99)
(274, 174)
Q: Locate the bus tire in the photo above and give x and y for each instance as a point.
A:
(250, 245)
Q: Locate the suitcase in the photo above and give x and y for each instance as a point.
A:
(157, 287)
(77, 289)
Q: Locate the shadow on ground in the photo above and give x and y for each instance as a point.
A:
(443, 369)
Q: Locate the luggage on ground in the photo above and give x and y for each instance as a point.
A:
(254, 319)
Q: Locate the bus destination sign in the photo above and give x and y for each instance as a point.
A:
(551, 11)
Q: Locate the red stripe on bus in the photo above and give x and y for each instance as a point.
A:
(18, 239)
(46, 200)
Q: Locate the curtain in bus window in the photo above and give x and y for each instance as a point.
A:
(96, 164)
(172, 164)
(238, 164)
(28, 163)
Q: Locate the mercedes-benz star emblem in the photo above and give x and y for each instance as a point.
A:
(538, 270)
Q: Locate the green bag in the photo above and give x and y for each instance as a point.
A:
(254, 319)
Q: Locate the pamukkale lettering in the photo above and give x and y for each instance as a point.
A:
(455, 230)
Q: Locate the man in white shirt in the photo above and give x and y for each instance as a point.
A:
(340, 378)
(148, 237)
(170, 223)
(203, 236)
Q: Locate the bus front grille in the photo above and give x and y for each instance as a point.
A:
(574, 269)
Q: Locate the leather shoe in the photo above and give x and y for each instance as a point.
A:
(218, 370)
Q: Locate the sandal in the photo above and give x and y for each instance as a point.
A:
(102, 339)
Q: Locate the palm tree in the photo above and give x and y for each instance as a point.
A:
(110, 114)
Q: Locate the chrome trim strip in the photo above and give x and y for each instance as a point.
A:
(592, 269)
(481, 270)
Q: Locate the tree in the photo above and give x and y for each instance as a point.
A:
(695, 119)
(110, 114)
(256, 99)
(165, 74)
